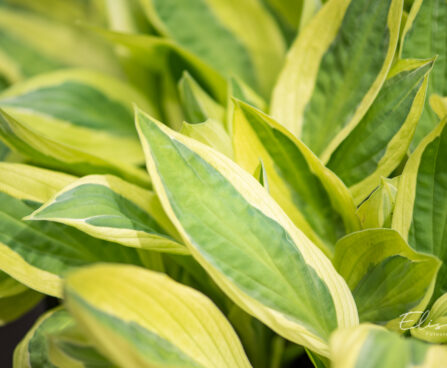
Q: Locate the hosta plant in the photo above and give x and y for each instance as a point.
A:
(216, 183)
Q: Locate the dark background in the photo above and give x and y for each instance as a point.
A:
(12, 333)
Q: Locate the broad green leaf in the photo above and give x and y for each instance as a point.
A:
(211, 133)
(432, 324)
(369, 346)
(376, 146)
(216, 32)
(30, 45)
(197, 105)
(38, 254)
(386, 276)
(45, 151)
(425, 36)
(377, 210)
(38, 348)
(439, 105)
(109, 208)
(79, 108)
(155, 321)
(312, 196)
(420, 213)
(335, 70)
(243, 239)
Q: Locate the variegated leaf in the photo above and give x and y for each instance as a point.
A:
(255, 56)
(80, 108)
(381, 139)
(46, 151)
(312, 196)
(335, 69)
(375, 347)
(386, 276)
(243, 239)
(140, 318)
(420, 213)
(109, 208)
(425, 36)
(39, 254)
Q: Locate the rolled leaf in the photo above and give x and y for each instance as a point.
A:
(376, 146)
(155, 322)
(335, 69)
(109, 208)
(426, 21)
(216, 32)
(420, 213)
(46, 151)
(386, 276)
(243, 239)
(197, 104)
(372, 346)
(377, 210)
(261, 175)
(312, 196)
(80, 108)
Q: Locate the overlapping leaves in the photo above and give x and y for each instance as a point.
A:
(302, 193)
